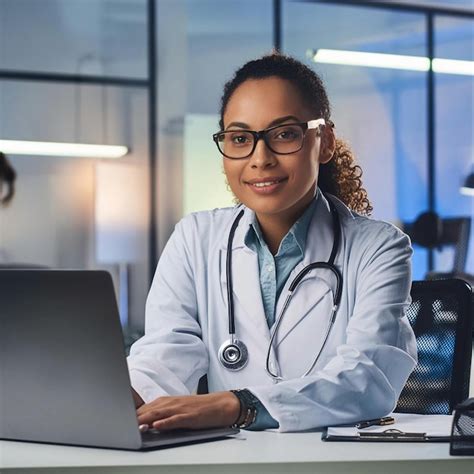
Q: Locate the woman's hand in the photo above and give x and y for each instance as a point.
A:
(191, 411)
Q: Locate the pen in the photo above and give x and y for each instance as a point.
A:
(386, 420)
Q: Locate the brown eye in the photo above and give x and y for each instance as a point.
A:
(240, 139)
(287, 134)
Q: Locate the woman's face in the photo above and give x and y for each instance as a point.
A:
(258, 104)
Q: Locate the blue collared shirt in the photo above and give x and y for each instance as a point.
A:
(274, 271)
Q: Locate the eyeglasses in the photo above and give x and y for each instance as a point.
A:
(281, 139)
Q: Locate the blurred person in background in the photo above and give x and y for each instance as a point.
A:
(7, 180)
(7, 190)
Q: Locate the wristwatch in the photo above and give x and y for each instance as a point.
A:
(248, 408)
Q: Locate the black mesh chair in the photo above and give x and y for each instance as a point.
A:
(441, 315)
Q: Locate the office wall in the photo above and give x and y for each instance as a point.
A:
(199, 47)
(200, 43)
(455, 128)
(383, 113)
(52, 220)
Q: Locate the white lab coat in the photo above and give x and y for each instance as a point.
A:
(369, 354)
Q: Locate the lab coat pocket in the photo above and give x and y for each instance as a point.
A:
(303, 327)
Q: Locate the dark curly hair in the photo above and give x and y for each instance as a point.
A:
(8, 176)
(340, 176)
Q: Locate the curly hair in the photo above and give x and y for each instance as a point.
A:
(341, 176)
(8, 176)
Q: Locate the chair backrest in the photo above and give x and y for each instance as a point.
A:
(441, 314)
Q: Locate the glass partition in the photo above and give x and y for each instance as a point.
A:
(381, 112)
(80, 213)
(200, 45)
(454, 39)
(95, 37)
(86, 213)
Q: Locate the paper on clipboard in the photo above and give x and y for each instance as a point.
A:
(428, 427)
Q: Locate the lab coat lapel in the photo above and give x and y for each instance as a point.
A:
(317, 283)
(245, 281)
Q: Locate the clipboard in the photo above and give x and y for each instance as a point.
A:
(411, 428)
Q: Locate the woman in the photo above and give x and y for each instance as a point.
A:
(299, 191)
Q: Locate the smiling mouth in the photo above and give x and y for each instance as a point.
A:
(264, 184)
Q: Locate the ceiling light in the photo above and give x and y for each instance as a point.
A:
(77, 150)
(391, 61)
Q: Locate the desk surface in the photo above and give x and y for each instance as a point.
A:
(263, 452)
(250, 452)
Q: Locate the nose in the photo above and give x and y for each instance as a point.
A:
(262, 157)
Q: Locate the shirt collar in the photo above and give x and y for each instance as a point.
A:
(295, 236)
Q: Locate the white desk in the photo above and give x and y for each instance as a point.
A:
(262, 453)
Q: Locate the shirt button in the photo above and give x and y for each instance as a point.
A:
(269, 269)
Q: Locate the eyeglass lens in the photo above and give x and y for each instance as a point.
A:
(284, 139)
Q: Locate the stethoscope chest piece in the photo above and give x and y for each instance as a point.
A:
(233, 354)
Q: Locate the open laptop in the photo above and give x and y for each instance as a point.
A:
(63, 372)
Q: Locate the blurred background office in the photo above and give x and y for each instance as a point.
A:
(147, 76)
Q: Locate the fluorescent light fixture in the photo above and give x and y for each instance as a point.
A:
(391, 61)
(453, 66)
(77, 150)
(357, 58)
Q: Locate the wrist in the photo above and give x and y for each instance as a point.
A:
(239, 410)
(231, 407)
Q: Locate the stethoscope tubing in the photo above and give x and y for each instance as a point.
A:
(236, 345)
(228, 269)
(292, 288)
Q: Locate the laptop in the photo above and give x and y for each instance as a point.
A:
(63, 371)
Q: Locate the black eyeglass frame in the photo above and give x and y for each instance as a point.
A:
(262, 134)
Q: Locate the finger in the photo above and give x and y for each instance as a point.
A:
(147, 407)
(154, 405)
(173, 422)
(143, 428)
(159, 402)
(153, 415)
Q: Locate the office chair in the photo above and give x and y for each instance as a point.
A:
(433, 232)
(441, 314)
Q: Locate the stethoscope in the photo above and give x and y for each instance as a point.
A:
(233, 354)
